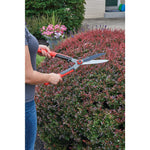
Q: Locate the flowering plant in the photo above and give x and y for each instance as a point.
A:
(55, 31)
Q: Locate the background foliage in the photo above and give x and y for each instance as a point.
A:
(70, 12)
(87, 110)
(35, 23)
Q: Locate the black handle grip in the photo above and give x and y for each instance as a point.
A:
(63, 57)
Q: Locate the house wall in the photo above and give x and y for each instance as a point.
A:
(94, 9)
(122, 1)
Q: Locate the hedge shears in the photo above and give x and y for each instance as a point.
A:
(77, 62)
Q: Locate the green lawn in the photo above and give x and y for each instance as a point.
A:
(39, 59)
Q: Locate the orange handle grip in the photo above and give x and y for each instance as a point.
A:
(46, 83)
(53, 54)
(62, 75)
(49, 83)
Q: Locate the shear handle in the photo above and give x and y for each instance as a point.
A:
(64, 73)
(54, 54)
(67, 71)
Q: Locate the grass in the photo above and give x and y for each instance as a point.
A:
(39, 59)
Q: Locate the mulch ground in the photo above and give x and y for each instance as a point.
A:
(39, 145)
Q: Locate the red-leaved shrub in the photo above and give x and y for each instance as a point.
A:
(86, 110)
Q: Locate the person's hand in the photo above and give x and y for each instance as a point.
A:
(55, 78)
(44, 53)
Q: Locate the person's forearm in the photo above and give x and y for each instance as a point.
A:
(36, 77)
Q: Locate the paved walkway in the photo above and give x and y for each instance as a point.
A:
(113, 23)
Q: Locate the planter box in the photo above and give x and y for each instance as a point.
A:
(52, 41)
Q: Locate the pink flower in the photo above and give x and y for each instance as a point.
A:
(53, 31)
(50, 26)
(50, 33)
(57, 26)
(43, 27)
(50, 29)
(44, 32)
(63, 28)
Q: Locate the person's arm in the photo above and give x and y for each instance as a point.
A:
(35, 77)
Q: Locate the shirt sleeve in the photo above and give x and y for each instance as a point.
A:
(26, 43)
(26, 36)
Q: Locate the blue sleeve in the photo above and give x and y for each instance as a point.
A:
(26, 36)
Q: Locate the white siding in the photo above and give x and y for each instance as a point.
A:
(95, 8)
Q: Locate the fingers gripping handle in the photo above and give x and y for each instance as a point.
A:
(53, 54)
(62, 75)
(49, 83)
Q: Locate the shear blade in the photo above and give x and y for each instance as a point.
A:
(94, 62)
(92, 57)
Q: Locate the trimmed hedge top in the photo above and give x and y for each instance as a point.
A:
(87, 110)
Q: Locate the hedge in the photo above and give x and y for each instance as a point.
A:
(70, 12)
(86, 110)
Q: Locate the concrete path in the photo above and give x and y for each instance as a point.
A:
(113, 23)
